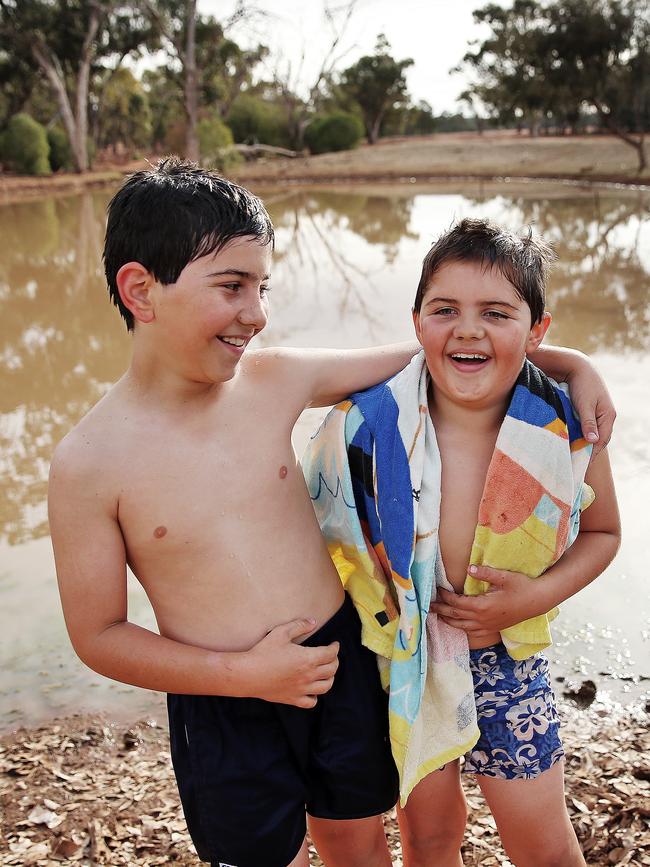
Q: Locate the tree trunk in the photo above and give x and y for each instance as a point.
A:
(55, 77)
(638, 145)
(373, 128)
(82, 90)
(191, 86)
(76, 124)
(628, 138)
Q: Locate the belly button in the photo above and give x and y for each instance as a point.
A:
(283, 472)
(159, 532)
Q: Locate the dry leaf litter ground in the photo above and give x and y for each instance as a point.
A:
(87, 792)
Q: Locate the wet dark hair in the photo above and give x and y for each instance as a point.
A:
(524, 260)
(168, 216)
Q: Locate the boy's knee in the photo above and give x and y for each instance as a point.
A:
(552, 853)
(350, 842)
(442, 834)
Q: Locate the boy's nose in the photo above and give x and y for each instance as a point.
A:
(468, 328)
(254, 313)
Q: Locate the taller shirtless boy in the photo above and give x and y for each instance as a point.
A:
(185, 472)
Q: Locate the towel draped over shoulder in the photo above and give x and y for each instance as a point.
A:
(373, 471)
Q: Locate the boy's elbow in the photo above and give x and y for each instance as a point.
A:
(613, 544)
(92, 650)
(616, 541)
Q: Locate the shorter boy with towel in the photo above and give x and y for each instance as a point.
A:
(465, 473)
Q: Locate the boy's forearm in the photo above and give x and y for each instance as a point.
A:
(584, 561)
(559, 362)
(134, 655)
(350, 370)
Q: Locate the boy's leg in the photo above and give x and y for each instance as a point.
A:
(350, 774)
(518, 758)
(302, 858)
(432, 824)
(532, 819)
(350, 842)
(242, 790)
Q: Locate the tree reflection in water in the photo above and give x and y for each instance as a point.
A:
(317, 258)
(599, 291)
(61, 343)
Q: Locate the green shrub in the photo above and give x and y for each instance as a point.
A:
(24, 146)
(253, 120)
(60, 150)
(216, 144)
(338, 131)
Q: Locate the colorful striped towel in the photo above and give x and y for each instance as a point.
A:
(373, 471)
(534, 493)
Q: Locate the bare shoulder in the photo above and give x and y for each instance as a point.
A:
(280, 375)
(84, 457)
(273, 361)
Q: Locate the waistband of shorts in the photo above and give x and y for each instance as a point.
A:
(332, 628)
(498, 648)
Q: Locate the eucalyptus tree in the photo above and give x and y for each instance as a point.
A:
(511, 63)
(377, 83)
(301, 102)
(204, 62)
(601, 50)
(69, 40)
(564, 56)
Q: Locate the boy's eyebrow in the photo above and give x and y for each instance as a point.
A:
(237, 273)
(500, 303)
(439, 299)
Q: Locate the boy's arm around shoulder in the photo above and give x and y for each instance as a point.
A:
(91, 570)
(589, 393)
(322, 377)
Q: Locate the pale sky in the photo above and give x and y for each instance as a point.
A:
(435, 33)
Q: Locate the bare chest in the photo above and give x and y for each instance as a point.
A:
(463, 481)
(199, 497)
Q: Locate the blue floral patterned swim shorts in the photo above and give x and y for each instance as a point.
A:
(517, 716)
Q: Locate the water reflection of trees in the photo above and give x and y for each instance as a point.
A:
(599, 292)
(60, 343)
(317, 228)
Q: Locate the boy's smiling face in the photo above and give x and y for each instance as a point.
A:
(475, 331)
(206, 319)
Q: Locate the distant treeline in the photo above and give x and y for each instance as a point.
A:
(68, 89)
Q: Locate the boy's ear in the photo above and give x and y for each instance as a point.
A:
(416, 323)
(538, 332)
(134, 284)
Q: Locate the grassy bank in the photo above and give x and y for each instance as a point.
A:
(83, 791)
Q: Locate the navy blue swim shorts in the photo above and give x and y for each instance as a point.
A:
(247, 769)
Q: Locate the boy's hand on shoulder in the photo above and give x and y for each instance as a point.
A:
(512, 597)
(288, 673)
(593, 405)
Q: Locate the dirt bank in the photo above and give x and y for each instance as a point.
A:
(587, 159)
(87, 792)
(463, 155)
(17, 188)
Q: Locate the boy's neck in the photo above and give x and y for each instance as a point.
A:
(483, 421)
(163, 386)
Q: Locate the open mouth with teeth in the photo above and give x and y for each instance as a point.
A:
(233, 341)
(469, 359)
